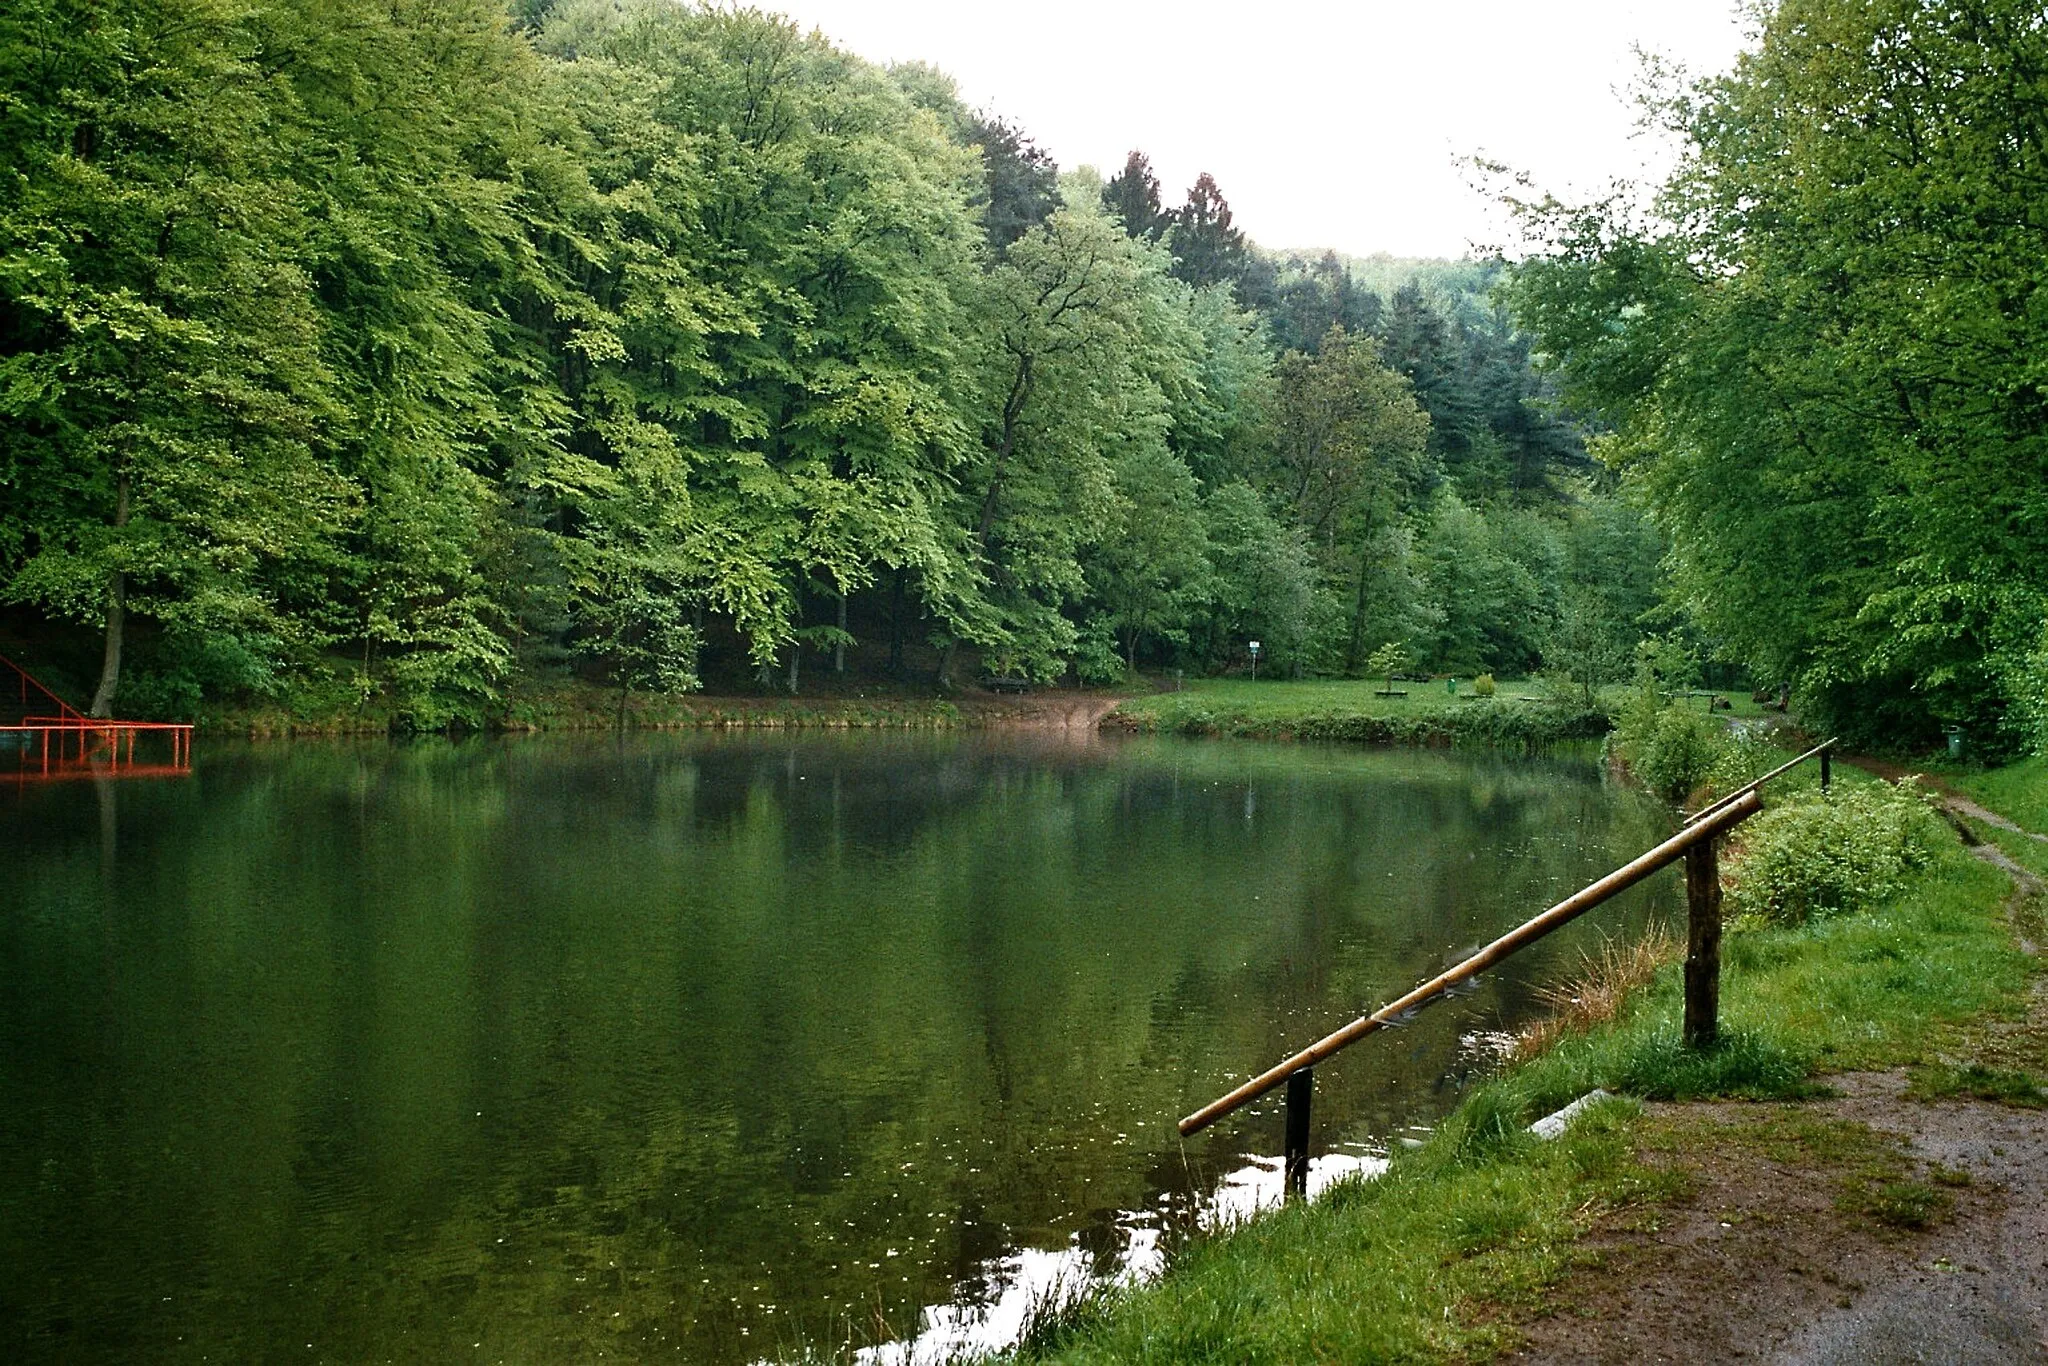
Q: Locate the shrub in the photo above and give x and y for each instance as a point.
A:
(1673, 749)
(1482, 686)
(1821, 854)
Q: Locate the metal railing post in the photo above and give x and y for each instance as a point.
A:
(1301, 1089)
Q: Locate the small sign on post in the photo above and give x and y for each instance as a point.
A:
(1255, 660)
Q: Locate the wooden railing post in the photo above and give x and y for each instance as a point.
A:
(1827, 768)
(1301, 1089)
(1702, 944)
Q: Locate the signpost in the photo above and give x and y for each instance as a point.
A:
(1255, 661)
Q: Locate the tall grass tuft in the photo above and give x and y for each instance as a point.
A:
(1746, 1064)
(1596, 993)
(1064, 1311)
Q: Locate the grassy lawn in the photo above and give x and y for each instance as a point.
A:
(2019, 792)
(1242, 706)
(1354, 710)
(1280, 699)
(1421, 1263)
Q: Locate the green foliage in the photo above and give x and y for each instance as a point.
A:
(1817, 854)
(406, 354)
(1483, 686)
(1818, 377)
(1671, 749)
(1132, 195)
(1387, 661)
(1207, 247)
(1354, 713)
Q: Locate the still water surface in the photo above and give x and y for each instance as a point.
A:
(682, 1048)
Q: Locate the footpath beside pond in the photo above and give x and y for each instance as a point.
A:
(1860, 1173)
(1902, 1218)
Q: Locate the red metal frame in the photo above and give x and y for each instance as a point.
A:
(73, 745)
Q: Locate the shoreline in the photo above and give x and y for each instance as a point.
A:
(1483, 1243)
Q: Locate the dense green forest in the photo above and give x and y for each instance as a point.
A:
(394, 353)
(1822, 348)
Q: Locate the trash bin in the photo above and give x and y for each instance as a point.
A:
(1955, 741)
(1451, 686)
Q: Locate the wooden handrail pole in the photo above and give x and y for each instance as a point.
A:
(1702, 945)
(1301, 1091)
(1822, 749)
(1705, 827)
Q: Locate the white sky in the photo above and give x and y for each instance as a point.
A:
(1326, 124)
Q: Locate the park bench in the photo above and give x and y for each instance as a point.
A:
(1015, 685)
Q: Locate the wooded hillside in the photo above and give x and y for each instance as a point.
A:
(394, 351)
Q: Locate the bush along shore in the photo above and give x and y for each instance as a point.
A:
(1862, 935)
(588, 709)
(577, 707)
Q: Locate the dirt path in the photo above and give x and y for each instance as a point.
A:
(1952, 799)
(1796, 1243)
(1866, 1228)
(1050, 709)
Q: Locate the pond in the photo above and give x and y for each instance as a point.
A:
(697, 1047)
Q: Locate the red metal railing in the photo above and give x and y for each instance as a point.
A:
(70, 744)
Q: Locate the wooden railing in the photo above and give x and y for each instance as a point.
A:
(1696, 842)
(1825, 749)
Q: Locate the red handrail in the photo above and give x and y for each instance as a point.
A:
(65, 709)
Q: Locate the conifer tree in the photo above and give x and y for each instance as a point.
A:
(1207, 247)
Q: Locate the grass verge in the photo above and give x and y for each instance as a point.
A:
(1354, 711)
(581, 707)
(2019, 792)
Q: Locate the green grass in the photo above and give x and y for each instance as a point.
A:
(1352, 710)
(2007, 1086)
(2029, 853)
(575, 706)
(1278, 699)
(1376, 1270)
(1414, 1266)
(2019, 792)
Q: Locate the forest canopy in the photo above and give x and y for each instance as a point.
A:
(1823, 350)
(401, 351)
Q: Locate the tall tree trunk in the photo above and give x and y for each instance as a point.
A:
(896, 628)
(117, 617)
(625, 687)
(796, 651)
(839, 645)
(1351, 648)
(942, 677)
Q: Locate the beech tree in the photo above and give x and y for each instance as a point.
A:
(1822, 380)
